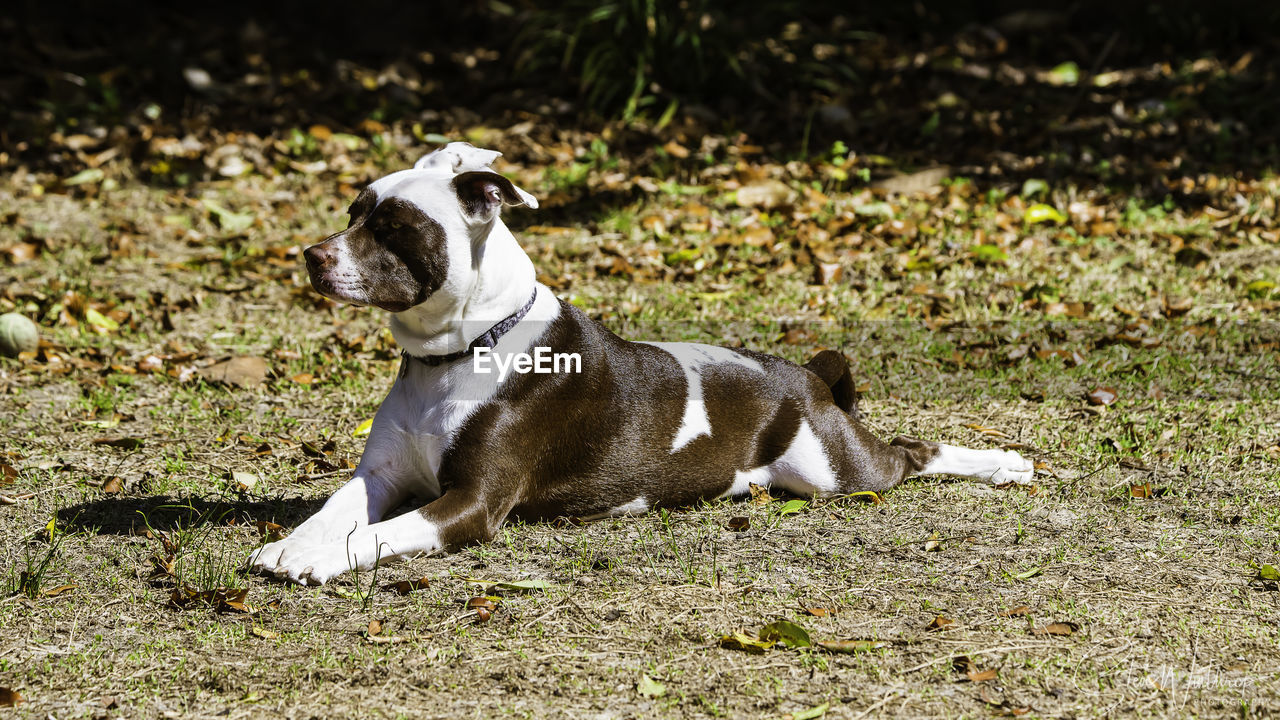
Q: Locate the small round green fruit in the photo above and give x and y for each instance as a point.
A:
(17, 334)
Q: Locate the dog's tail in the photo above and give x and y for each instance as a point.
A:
(833, 369)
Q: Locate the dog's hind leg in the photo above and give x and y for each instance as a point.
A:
(858, 461)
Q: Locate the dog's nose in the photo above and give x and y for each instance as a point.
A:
(318, 256)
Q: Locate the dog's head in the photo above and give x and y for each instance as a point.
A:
(416, 233)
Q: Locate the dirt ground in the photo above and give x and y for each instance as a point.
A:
(1118, 326)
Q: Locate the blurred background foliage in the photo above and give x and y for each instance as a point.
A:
(791, 73)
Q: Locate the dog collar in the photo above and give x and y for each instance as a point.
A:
(488, 339)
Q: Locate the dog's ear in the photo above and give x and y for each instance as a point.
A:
(457, 157)
(482, 193)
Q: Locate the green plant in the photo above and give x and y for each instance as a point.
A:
(193, 558)
(632, 56)
(28, 578)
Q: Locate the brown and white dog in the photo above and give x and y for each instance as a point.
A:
(511, 403)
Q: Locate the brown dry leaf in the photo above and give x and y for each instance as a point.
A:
(739, 523)
(913, 183)
(1102, 396)
(124, 443)
(766, 194)
(1056, 628)
(269, 531)
(1140, 491)
(51, 592)
(9, 698)
(933, 544)
(221, 599)
(404, 587)
(827, 273)
(303, 378)
(1020, 610)
(21, 252)
(113, 486)
(676, 150)
(986, 430)
(816, 611)
(759, 494)
(375, 628)
(977, 676)
(484, 602)
(8, 474)
(940, 622)
(239, 371)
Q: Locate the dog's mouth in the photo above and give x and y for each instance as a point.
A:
(341, 292)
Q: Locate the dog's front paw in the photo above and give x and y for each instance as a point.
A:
(265, 559)
(1013, 469)
(312, 565)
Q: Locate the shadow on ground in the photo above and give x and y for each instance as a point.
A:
(162, 513)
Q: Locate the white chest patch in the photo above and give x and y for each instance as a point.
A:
(420, 418)
(694, 358)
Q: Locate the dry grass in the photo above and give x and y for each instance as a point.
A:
(1167, 617)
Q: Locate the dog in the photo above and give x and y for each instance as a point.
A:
(485, 422)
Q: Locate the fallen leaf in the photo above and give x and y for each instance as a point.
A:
(243, 481)
(1269, 573)
(648, 687)
(827, 273)
(488, 602)
(270, 532)
(239, 371)
(816, 711)
(51, 592)
(848, 647)
(746, 643)
(940, 622)
(867, 496)
(404, 587)
(739, 523)
(1056, 628)
(263, 633)
(1028, 574)
(1140, 491)
(519, 586)
(766, 194)
(1020, 610)
(1041, 213)
(977, 676)
(363, 429)
(226, 220)
(913, 183)
(791, 507)
(816, 611)
(113, 486)
(375, 628)
(786, 632)
(759, 494)
(1102, 396)
(124, 443)
(9, 698)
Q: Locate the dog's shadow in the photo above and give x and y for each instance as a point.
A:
(163, 513)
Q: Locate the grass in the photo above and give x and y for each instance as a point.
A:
(1169, 618)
